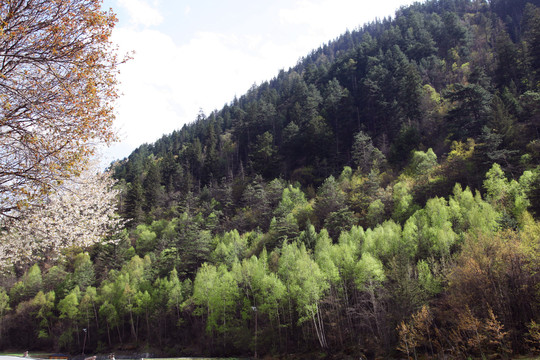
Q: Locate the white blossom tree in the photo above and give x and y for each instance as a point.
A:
(79, 214)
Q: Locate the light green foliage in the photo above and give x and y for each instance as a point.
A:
(138, 270)
(324, 257)
(175, 293)
(229, 248)
(347, 251)
(423, 162)
(293, 201)
(143, 301)
(210, 210)
(346, 175)
(45, 315)
(433, 95)
(290, 199)
(427, 281)
(108, 312)
(303, 278)
(369, 272)
(384, 240)
(497, 187)
(262, 288)
(83, 273)
(338, 261)
(122, 290)
(216, 293)
(33, 280)
(4, 302)
(292, 213)
(353, 238)
(120, 293)
(432, 227)
(145, 239)
(158, 235)
(29, 286)
(526, 182)
(403, 201)
(69, 305)
(508, 196)
(410, 238)
(89, 304)
(375, 213)
(129, 253)
(470, 212)
(308, 237)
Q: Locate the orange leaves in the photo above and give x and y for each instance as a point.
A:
(479, 336)
(416, 333)
(57, 84)
(534, 336)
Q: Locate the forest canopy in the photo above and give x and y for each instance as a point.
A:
(379, 198)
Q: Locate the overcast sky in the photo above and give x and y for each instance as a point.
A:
(200, 54)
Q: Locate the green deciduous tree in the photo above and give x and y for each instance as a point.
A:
(432, 227)
(216, 294)
(369, 276)
(305, 285)
(69, 310)
(423, 162)
(4, 307)
(45, 312)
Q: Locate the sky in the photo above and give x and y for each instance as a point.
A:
(193, 55)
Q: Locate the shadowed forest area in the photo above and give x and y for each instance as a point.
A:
(381, 198)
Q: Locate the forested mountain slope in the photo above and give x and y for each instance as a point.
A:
(440, 72)
(380, 198)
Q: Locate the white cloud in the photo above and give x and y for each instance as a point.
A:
(141, 13)
(165, 84)
(330, 18)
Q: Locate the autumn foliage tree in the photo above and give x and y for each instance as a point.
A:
(57, 84)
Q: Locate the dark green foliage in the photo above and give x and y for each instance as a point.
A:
(469, 115)
(385, 80)
(531, 25)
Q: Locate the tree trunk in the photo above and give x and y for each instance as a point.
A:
(109, 334)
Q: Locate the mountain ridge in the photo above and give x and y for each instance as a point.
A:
(410, 83)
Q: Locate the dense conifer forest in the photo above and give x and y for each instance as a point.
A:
(381, 198)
